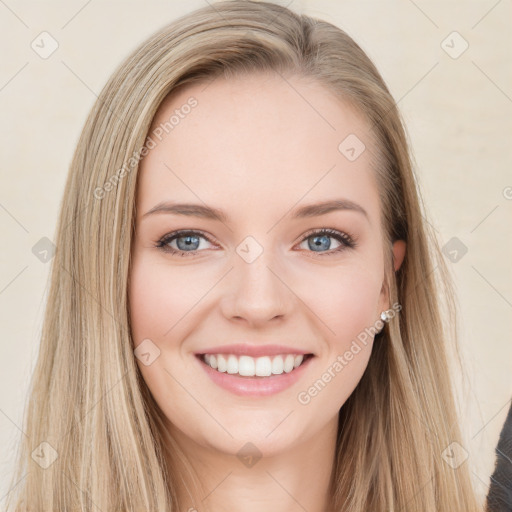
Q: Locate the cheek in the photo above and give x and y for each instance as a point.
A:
(146, 306)
(160, 296)
(346, 305)
(346, 301)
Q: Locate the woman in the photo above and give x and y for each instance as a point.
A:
(243, 308)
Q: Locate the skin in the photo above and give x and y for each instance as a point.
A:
(257, 148)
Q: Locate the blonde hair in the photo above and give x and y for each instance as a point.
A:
(88, 400)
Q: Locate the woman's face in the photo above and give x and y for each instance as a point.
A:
(249, 158)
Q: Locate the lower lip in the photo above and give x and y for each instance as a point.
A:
(255, 386)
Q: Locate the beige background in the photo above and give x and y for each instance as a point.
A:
(459, 116)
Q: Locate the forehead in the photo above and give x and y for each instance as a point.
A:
(258, 141)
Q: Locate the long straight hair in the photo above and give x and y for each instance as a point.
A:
(90, 416)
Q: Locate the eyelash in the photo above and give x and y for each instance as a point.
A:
(347, 242)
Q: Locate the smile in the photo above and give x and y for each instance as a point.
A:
(247, 366)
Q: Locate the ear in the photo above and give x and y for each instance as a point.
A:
(398, 250)
(398, 253)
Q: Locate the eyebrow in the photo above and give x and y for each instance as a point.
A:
(207, 212)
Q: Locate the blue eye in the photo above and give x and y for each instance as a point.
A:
(320, 241)
(188, 243)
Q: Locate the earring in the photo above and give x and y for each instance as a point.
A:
(385, 316)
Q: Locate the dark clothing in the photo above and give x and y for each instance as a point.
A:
(499, 498)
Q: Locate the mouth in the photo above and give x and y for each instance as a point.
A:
(245, 366)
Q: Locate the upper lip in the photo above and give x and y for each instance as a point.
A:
(253, 350)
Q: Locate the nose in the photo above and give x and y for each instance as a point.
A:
(256, 292)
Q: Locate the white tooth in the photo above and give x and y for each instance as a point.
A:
(263, 366)
(246, 366)
(277, 365)
(222, 365)
(288, 363)
(232, 364)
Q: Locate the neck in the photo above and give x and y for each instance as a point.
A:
(294, 479)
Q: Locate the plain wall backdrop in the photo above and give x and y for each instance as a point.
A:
(448, 66)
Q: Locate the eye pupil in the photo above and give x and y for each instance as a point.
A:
(320, 241)
(189, 241)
